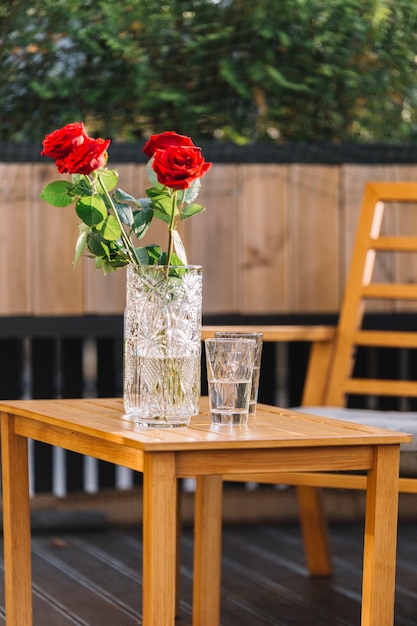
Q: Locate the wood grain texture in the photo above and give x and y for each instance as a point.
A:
(90, 420)
(273, 239)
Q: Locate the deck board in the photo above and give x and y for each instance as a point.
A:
(93, 577)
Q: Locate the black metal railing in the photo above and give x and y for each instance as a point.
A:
(69, 357)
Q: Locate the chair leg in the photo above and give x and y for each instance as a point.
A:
(314, 530)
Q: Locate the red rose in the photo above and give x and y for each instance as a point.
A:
(165, 139)
(178, 165)
(84, 158)
(62, 141)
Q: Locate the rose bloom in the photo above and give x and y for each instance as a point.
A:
(85, 158)
(178, 166)
(165, 139)
(62, 141)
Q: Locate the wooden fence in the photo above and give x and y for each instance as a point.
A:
(275, 239)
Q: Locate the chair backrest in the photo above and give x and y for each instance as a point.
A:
(382, 277)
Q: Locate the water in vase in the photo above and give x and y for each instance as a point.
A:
(162, 389)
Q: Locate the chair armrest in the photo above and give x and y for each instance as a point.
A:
(278, 333)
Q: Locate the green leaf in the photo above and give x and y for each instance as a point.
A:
(154, 254)
(108, 266)
(105, 265)
(97, 245)
(81, 186)
(58, 193)
(142, 255)
(161, 200)
(121, 195)
(160, 215)
(141, 221)
(189, 210)
(91, 210)
(124, 212)
(144, 203)
(175, 260)
(178, 272)
(81, 242)
(107, 179)
(163, 259)
(110, 230)
(150, 173)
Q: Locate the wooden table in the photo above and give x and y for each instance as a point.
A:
(275, 440)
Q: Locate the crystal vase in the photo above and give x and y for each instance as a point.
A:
(162, 345)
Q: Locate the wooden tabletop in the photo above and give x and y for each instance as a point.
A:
(272, 427)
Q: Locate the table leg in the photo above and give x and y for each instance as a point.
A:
(207, 551)
(159, 539)
(178, 552)
(16, 525)
(381, 538)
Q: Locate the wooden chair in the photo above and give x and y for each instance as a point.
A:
(332, 380)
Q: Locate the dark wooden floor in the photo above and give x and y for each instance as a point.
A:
(93, 578)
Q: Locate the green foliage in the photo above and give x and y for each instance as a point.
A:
(91, 210)
(246, 71)
(58, 193)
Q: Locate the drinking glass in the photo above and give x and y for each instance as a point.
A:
(230, 362)
(258, 337)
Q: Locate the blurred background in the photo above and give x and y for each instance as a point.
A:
(223, 70)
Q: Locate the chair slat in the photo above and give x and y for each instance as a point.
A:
(402, 244)
(385, 339)
(389, 291)
(380, 387)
